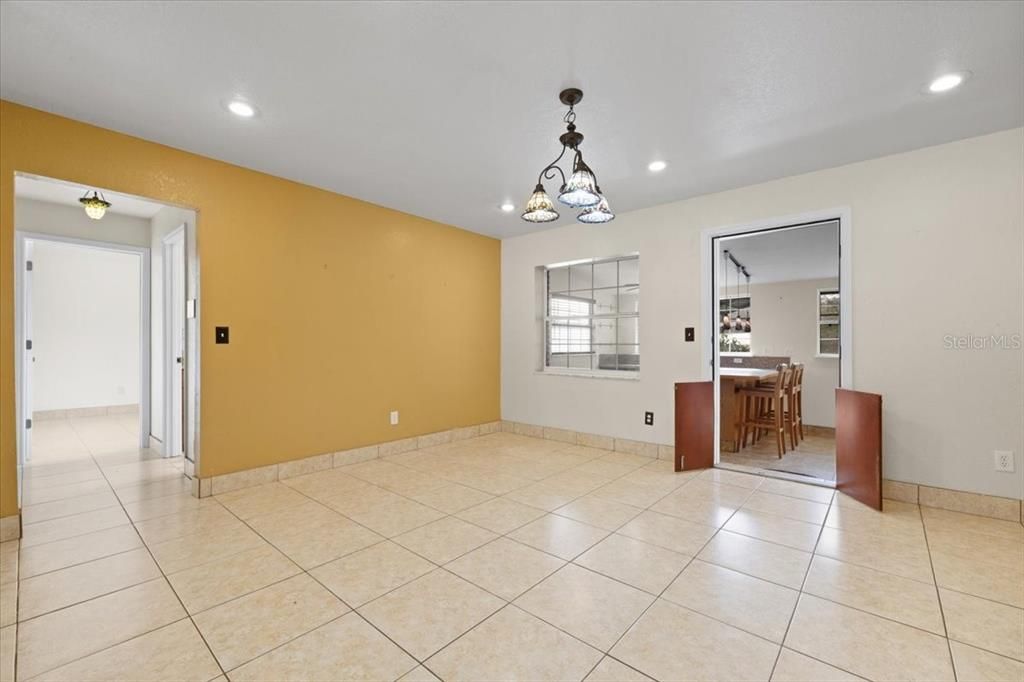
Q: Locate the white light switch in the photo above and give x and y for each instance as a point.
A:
(394, 417)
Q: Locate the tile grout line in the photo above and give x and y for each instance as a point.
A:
(543, 512)
(318, 582)
(688, 563)
(163, 576)
(938, 598)
(800, 592)
(158, 567)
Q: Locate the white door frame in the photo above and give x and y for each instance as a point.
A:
(709, 314)
(175, 235)
(20, 304)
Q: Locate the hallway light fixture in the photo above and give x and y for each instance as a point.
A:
(95, 206)
(581, 189)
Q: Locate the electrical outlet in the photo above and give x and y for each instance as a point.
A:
(1004, 461)
(649, 418)
(737, 361)
(394, 417)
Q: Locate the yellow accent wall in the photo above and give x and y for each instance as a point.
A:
(340, 310)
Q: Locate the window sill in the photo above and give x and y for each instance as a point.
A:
(834, 356)
(591, 374)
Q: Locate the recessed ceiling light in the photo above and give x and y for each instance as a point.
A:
(946, 83)
(240, 108)
(657, 166)
(508, 207)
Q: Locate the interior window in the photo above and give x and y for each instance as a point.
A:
(592, 315)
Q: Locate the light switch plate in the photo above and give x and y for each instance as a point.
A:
(394, 417)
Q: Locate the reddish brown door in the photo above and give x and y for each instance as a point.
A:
(859, 446)
(695, 425)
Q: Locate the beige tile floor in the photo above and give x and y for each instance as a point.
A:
(501, 557)
(814, 456)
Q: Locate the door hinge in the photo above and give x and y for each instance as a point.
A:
(28, 423)
(28, 344)
(28, 265)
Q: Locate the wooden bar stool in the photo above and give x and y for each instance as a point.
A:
(764, 410)
(795, 407)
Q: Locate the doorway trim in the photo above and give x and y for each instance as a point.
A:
(21, 410)
(178, 233)
(709, 316)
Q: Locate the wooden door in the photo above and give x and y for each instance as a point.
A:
(859, 446)
(695, 425)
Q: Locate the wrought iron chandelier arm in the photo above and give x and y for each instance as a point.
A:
(548, 172)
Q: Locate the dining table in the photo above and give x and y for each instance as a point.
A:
(731, 380)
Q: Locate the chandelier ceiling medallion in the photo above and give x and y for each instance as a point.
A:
(581, 190)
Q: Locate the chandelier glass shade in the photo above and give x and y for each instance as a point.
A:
(540, 208)
(580, 190)
(95, 206)
(599, 213)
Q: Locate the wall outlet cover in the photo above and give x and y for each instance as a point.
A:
(394, 417)
(1004, 461)
(649, 418)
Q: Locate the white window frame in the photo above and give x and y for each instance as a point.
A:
(547, 320)
(817, 316)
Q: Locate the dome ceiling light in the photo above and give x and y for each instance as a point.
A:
(95, 206)
(581, 189)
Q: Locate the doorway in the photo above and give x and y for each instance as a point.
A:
(777, 300)
(84, 312)
(77, 403)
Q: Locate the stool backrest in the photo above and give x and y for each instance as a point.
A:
(781, 385)
(798, 376)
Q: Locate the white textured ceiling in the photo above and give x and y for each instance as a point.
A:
(786, 255)
(445, 109)
(68, 194)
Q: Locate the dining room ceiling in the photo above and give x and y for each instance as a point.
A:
(448, 109)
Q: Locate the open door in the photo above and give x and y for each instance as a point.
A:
(174, 339)
(859, 446)
(695, 425)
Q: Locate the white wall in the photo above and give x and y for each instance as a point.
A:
(784, 322)
(941, 226)
(70, 221)
(163, 223)
(85, 327)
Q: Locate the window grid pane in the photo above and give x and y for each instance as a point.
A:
(828, 322)
(592, 319)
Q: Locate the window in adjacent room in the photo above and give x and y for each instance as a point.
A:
(828, 323)
(592, 315)
(734, 337)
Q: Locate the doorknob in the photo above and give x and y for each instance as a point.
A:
(178, 360)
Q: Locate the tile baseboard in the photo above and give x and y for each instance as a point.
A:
(248, 478)
(10, 527)
(992, 506)
(591, 440)
(76, 412)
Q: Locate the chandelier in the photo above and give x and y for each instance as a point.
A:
(581, 190)
(95, 206)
